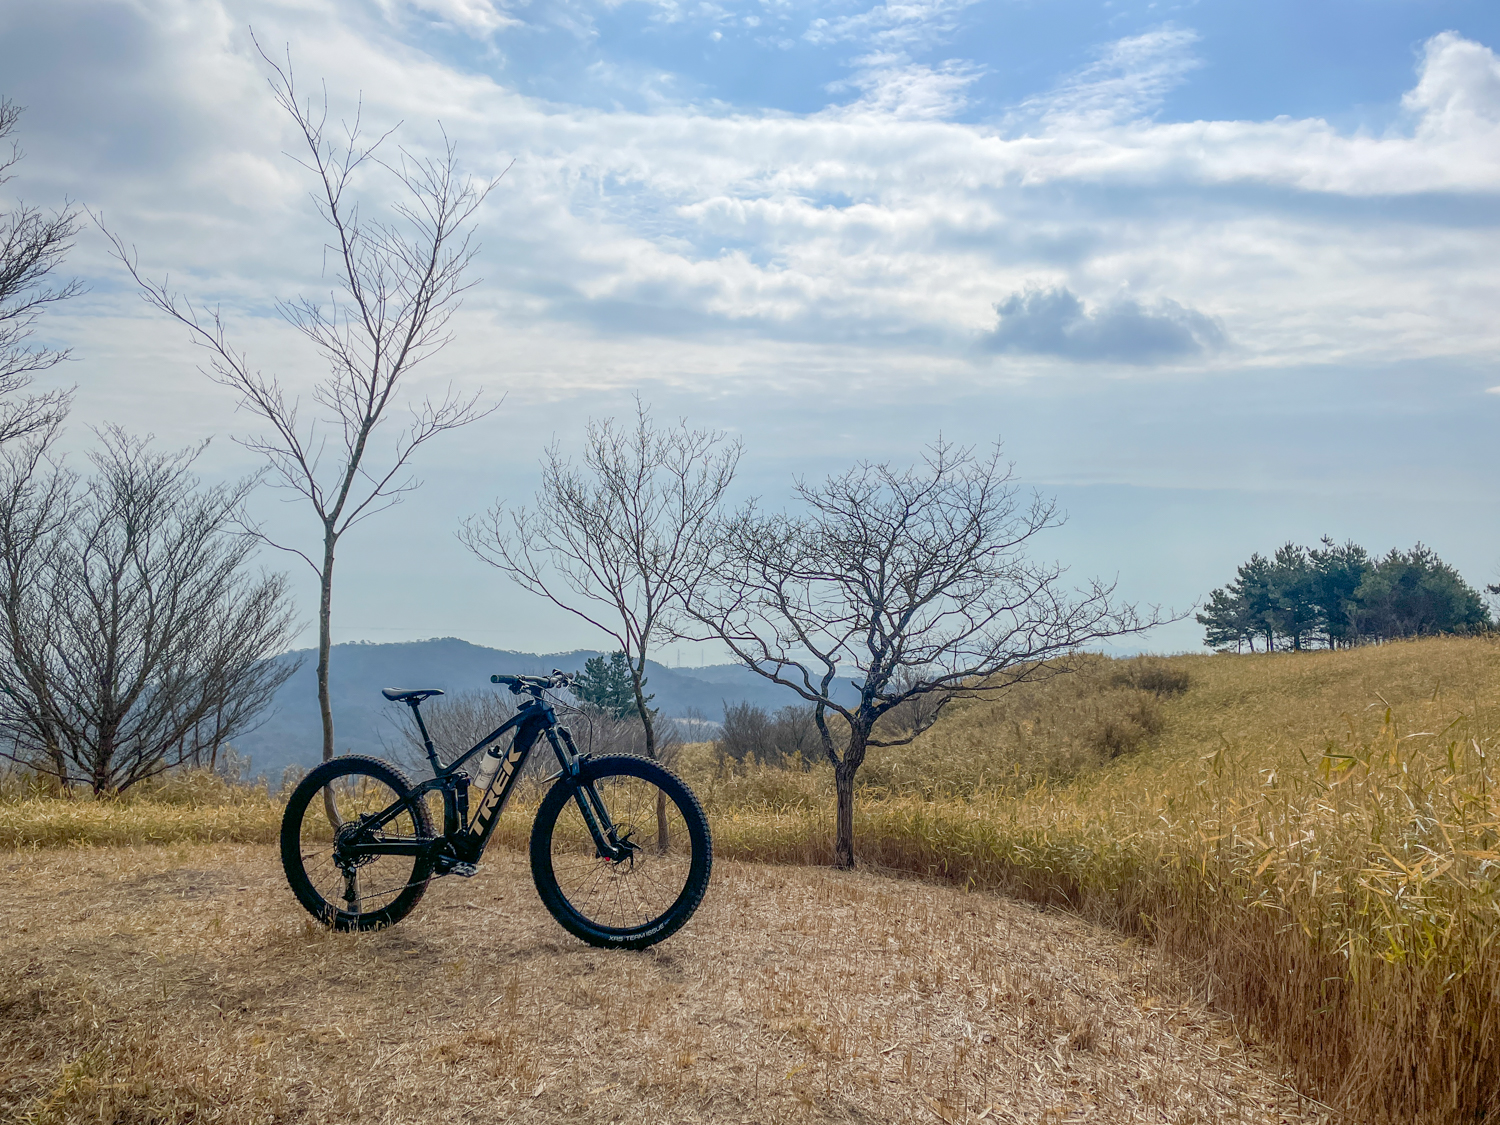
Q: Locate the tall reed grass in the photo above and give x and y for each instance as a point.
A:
(1317, 834)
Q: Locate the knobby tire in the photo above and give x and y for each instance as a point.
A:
(385, 888)
(622, 905)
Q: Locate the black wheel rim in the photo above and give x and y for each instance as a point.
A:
(632, 893)
(355, 886)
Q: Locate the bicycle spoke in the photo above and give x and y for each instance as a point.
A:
(334, 874)
(634, 891)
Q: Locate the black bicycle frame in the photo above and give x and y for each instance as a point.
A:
(464, 840)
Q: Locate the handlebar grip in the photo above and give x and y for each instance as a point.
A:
(518, 684)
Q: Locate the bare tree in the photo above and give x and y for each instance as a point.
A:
(619, 540)
(916, 580)
(599, 732)
(32, 244)
(772, 738)
(398, 283)
(132, 639)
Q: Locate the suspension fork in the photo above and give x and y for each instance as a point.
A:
(590, 805)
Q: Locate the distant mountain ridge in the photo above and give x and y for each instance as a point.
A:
(364, 723)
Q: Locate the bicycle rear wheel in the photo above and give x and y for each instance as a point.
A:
(644, 897)
(342, 889)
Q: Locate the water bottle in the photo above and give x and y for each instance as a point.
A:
(489, 766)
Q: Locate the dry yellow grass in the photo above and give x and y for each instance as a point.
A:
(1316, 834)
(182, 984)
(193, 807)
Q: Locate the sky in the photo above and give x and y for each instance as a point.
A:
(1217, 275)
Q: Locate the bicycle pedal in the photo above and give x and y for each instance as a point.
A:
(467, 870)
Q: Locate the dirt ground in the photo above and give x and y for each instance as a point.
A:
(184, 984)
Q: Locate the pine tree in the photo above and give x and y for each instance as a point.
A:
(1256, 585)
(1225, 622)
(1295, 613)
(1415, 594)
(1340, 595)
(1336, 576)
(605, 683)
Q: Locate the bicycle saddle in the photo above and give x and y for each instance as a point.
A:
(409, 695)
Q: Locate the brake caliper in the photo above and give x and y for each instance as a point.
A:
(625, 849)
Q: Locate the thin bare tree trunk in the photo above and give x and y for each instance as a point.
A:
(843, 820)
(647, 724)
(325, 642)
(663, 831)
(844, 769)
(59, 766)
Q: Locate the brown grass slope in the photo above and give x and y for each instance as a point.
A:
(1313, 834)
(176, 985)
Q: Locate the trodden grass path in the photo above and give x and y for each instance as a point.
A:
(181, 984)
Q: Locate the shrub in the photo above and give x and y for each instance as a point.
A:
(770, 738)
(1155, 674)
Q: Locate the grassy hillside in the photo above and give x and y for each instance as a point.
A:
(1316, 834)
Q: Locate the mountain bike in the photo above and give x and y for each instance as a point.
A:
(620, 849)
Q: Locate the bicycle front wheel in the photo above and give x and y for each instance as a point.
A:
(656, 829)
(338, 811)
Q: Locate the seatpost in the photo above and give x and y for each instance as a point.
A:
(416, 710)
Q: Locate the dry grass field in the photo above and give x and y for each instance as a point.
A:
(1310, 842)
(177, 984)
(1314, 835)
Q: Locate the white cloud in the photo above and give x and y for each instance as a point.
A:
(1458, 95)
(871, 220)
(1128, 81)
(893, 26)
(481, 18)
(882, 222)
(894, 86)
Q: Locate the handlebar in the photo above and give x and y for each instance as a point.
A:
(535, 685)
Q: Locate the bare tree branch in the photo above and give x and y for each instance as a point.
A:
(917, 582)
(33, 243)
(397, 284)
(620, 540)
